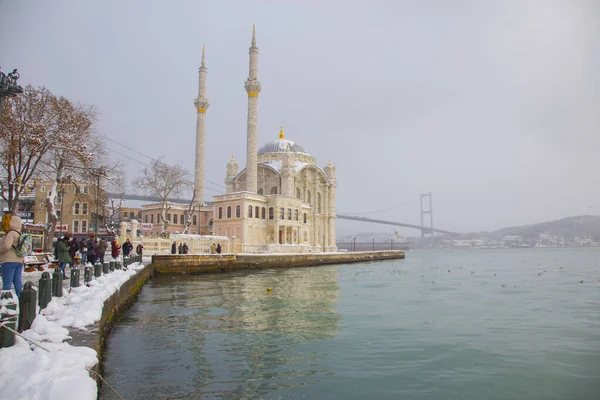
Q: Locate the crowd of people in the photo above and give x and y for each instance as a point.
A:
(70, 251)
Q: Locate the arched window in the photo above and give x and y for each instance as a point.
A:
(158, 218)
(262, 214)
(169, 217)
(274, 190)
(237, 232)
(298, 193)
(296, 215)
(308, 197)
(220, 212)
(146, 218)
(151, 218)
(182, 219)
(238, 211)
(319, 203)
(256, 212)
(290, 214)
(304, 217)
(271, 213)
(260, 191)
(175, 219)
(249, 211)
(228, 211)
(194, 220)
(281, 213)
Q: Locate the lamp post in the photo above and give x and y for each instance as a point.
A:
(62, 201)
(99, 172)
(8, 86)
(353, 243)
(373, 243)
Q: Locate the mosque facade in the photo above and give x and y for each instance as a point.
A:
(282, 201)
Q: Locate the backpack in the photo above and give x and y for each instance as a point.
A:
(25, 245)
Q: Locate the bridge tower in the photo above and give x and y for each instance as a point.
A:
(427, 211)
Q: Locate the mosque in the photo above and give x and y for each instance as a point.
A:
(282, 201)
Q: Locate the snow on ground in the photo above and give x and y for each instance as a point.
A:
(29, 372)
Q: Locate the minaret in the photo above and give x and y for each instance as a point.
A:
(201, 104)
(252, 88)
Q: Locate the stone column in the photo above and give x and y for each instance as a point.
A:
(252, 87)
(202, 105)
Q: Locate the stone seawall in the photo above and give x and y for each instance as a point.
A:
(204, 263)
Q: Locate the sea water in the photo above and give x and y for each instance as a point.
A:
(464, 324)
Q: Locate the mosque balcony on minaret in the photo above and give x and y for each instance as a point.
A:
(252, 87)
(201, 104)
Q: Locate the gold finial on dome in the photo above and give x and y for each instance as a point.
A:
(232, 158)
(329, 160)
(281, 135)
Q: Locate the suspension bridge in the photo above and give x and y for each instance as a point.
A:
(425, 212)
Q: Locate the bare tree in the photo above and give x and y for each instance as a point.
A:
(115, 184)
(29, 127)
(189, 212)
(71, 157)
(163, 181)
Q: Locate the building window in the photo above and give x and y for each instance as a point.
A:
(83, 226)
(262, 214)
(182, 219)
(319, 203)
(151, 218)
(256, 212)
(75, 226)
(249, 212)
(274, 190)
(296, 215)
(260, 191)
(43, 189)
(238, 211)
(41, 206)
(308, 197)
(84, 208)
(146, 218)
(220, 212)
(304, 217)
(195, 220)
(228, 232)
(281, 213)
(175, 218)
(228, 211)
(271, 213)
(131, 215)
(85, 189)
(169, 217)
(76, 209)
(289, 214)
(298, 193)
(158, 218)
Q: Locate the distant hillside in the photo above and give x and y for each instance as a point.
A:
(580, 226)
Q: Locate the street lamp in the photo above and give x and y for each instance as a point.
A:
(8, 86)
(373, 243)
(98, 172)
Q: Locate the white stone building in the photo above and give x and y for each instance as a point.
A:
(282, 201)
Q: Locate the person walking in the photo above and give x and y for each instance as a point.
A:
(213, 248)
(180, 248)
(127, 247)
(10, 263)
(174, 248)
(102, 246)
(185, 248)
(91, 249)
(139, 249)
(73, 247)
(219, 248)
(64, 257)
(114, 248)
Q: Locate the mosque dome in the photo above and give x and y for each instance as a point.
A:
(281, 145)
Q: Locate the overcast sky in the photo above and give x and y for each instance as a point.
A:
(493, 106)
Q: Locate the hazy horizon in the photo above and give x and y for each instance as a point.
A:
(493, 107)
